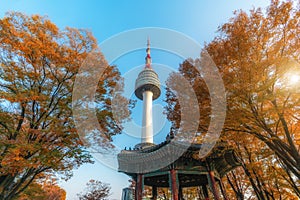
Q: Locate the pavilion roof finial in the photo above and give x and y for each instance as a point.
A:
(148, 57)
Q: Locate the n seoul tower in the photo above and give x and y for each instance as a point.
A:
(147, 89)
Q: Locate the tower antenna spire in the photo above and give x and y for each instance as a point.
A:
(148, 56)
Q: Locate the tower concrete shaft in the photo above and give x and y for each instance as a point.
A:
(147, 129)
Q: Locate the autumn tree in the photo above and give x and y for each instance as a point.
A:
(38, 66)
(54, 192)
(174, 88)
(257, 54)
(51, 188)
(33, 191)
(95, 190)
(260, 176)
(43, 190)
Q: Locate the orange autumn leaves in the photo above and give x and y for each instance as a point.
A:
(38, 66)
(253, 52)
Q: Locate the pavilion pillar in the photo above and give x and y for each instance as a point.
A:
(174, 184)
(205, 192)
(223, 191)
(139, 187)
(180, 193)
(154, 193)
(213, 185)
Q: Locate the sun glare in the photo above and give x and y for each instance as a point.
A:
(294, 79)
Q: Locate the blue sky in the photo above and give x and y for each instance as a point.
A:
(198, 19)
